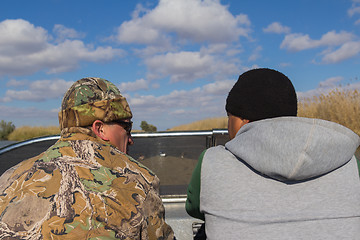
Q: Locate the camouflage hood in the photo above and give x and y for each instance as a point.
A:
(91, 99)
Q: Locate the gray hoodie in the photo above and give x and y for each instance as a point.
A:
(283, 178)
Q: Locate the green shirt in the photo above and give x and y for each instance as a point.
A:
(193, 192)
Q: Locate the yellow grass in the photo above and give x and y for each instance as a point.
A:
(206, 124)
(340, 106)
(26, 132)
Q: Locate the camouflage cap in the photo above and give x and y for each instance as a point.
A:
(91, 99)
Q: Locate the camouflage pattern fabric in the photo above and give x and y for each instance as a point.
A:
(91, 99)
(81, 188)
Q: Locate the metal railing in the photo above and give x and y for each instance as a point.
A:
(171, 155)
(210, 133)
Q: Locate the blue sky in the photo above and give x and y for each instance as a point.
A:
(174, 60)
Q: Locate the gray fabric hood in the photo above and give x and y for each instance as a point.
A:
(294, 148)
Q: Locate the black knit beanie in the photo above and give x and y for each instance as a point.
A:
(262, 93)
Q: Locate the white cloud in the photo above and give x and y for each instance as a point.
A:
(298, 42)
(155, 85)
(180, 106)
(221, 49)
(214, 48)
(19, 37)
(331, 82)
(327, 86)
(137, 31)
(26, 49)
(219, 87)
(151, 50)
(323, 88)
(178, 112)
(346, 51)
(207, 23)
(256, 54)
(243, 19)
(333, 39)
(63, 32)
(34, 116)
(139, 84)
(28, 113)
(277, 27)
(194, 20)
(354, 9)
(16, 83)
(188, 66)
(338, 46)
(39, 90)
(181, 66)
(199, 100)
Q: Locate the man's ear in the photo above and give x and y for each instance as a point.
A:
(99, 129)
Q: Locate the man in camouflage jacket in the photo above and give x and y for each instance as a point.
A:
(85, 186)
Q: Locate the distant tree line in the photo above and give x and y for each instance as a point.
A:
(147, 127)
(5, 129)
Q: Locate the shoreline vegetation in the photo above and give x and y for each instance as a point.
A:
(340, 106)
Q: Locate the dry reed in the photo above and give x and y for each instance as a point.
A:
(340, 106)
(26, 132)
(206, 124)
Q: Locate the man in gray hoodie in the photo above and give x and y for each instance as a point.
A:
(279, 176)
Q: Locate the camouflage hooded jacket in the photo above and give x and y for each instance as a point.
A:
(81, 188)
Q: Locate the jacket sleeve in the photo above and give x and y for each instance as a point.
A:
(154, 208)
(193, 192)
